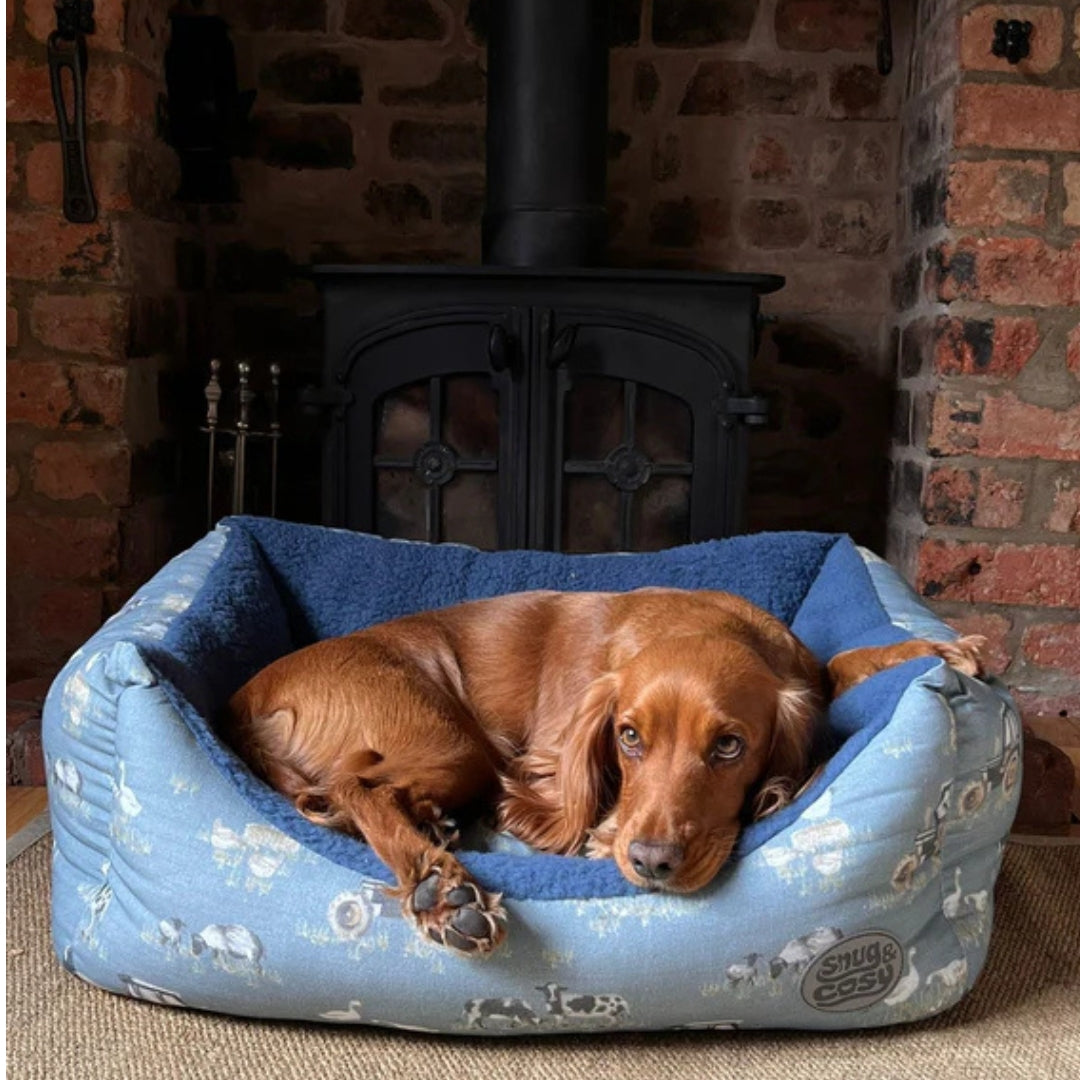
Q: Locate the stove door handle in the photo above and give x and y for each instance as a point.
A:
(561, 346)
(501, 350)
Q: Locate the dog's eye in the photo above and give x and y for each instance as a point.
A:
(727, 748)
(629, 739)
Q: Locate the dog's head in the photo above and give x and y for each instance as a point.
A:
(677, 749)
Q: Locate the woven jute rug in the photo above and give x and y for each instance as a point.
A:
(1022, 1019)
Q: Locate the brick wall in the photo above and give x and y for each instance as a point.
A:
(94, 325)
(986, 480)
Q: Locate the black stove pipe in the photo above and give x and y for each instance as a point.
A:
(546, 133)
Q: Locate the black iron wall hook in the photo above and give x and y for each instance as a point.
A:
(1012, 39)
(67, 52)
(884, 45)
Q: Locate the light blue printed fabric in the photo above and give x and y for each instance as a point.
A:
(180, 879)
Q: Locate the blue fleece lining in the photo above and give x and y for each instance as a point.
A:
(278, 586)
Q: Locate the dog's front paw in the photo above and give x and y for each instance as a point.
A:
(965, 654)
(453, 911)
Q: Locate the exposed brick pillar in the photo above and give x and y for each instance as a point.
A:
(92, 325)
(986, 465)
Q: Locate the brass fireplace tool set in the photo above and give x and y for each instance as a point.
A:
(233, 455)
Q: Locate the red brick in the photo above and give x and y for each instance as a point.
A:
(999, 502)
(45, 247)
(123, 96)
(665, 165)
(774, 223)
(29, 691)
(822, 25)
(918, 340)
(1064, 514)
(854, 226)
(826, 154)
(1053, 645)
(24, 700)
(63, 548)
(14, 481)
(1003, 426)
(993, 193)
(1070, 176)
(979, 497)
(948, 496)
(1072, 351)
(1040, 575)
(686, 222)
(26, 761)
(731, 87)
(77, 468)
(12, 168)
(38, 394)
(118, 94)
(12, 327)
(94, 323)
(977, 31)
(29, 96)
(771, 161)
(99, 395)
(856, 91)
(21, 715)
(995, 628)
(870, 161)
(1053, 716)
(109, 19)
(109, 169)
(68, 614)
(999, 346)
(1017, 117)
(50, 395)
(829, 285)
(1007, 270)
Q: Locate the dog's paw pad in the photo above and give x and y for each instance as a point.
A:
(458, 914)
(426, 895)
(463, 894)
(471, 922)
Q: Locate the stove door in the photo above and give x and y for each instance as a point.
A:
(430, 430)
(639, 449)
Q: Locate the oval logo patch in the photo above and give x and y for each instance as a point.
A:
(854, 974)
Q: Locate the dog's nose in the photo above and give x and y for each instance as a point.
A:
(654, 860)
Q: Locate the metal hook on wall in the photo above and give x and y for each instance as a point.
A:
(66, 49)
(884, 45)
(1012, 39)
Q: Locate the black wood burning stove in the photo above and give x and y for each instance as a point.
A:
(540, 400)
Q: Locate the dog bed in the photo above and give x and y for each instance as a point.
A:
(180, 878)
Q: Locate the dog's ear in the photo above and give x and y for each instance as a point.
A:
(556, 797)
(797, 709)
(585, 766)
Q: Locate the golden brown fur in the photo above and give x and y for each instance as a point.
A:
(640, 724)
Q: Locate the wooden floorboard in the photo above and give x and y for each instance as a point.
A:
(24, 804)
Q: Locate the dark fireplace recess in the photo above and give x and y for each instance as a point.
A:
(540, 400)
